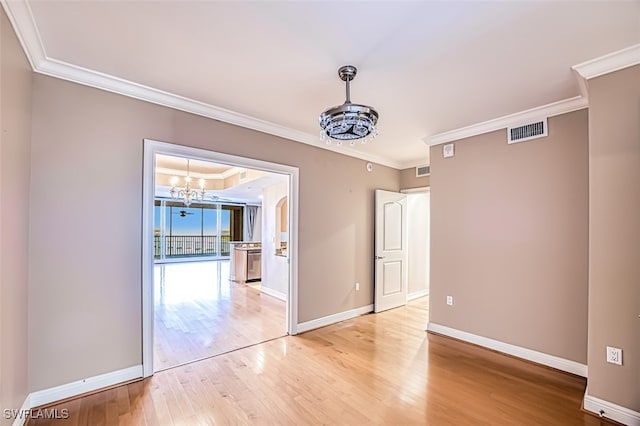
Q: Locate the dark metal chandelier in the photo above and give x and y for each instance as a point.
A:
(348, 122)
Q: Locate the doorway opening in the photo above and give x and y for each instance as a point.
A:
(401, 263)
(418, 222)
(196, 301)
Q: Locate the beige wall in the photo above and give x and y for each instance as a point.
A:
(509, 238)
(408, 179)
(85, 264)
(15, 135)
(614, 227)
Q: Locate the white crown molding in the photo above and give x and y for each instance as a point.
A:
(413, 163)
(21, 18)
(183, 173)
(23, 22)
(609, 63)
(228, 173)
(507, 348)
(610, 410)
(549, 110)
(582, 84)
(87, 77)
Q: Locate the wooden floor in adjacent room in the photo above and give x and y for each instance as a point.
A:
(199, 313)
(374, 369)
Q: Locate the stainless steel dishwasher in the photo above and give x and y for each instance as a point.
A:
(254, 265)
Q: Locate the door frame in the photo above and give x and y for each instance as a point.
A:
(153, 147)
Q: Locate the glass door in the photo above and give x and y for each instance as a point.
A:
(197, 230)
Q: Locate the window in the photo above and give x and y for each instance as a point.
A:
(197, 230)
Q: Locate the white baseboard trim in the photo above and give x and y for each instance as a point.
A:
(418, 294)
(332, 319)
(21, 417)
(274, 293)
(610, 410)
(517, 351)
(90, 384)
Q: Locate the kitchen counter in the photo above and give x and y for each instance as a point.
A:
(246, 261)
(248, 248)
(242, 245)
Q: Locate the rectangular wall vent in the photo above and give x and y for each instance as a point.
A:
(423, 171)
(527, 131)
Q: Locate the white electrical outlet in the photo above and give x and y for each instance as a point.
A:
(450, 300)
(614, 355)
(357, 286)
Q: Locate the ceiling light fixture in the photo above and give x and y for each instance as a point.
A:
(186, 194)
(348, 122)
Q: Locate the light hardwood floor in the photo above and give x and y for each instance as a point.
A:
(374, 369)
(200, 313)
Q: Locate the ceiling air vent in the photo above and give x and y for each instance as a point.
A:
(527, 131)
(423, 171)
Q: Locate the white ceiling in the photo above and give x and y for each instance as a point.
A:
(427, 67)
(249, 192)
(178, 166)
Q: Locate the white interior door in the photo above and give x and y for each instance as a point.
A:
(390, 250)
